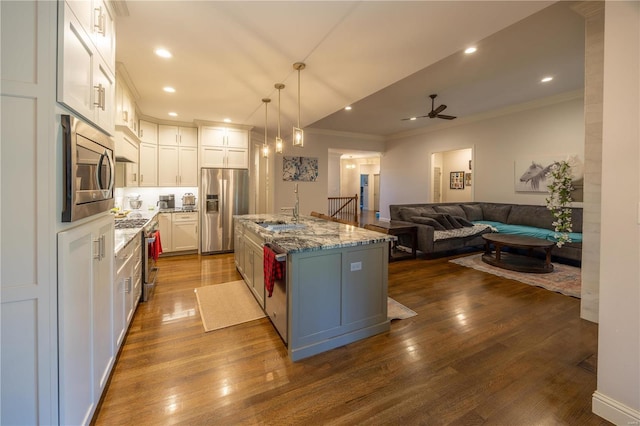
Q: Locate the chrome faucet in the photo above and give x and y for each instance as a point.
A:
(296, 208)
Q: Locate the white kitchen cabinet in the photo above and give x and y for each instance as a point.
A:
(131, 175)
(86, 344)
(238, 247)
(253, 271)
(148, 165)
(148, 132)
(86, 82)
(177, 136)
(224, 147)
(177, 166)
(178, 231)
(231, 158)
(165, 224)
(184, 231)
(125, 112)
(98, 21)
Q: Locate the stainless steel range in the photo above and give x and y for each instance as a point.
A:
(149, 239)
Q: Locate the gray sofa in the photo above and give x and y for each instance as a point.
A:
(485, 217)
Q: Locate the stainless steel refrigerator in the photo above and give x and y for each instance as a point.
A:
(224, 193)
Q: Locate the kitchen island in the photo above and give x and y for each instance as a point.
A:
(334, 289)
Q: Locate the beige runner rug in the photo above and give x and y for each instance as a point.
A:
(396, 310)
(224, 305)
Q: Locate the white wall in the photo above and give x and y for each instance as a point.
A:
(313, 195)
(618, 396)
(552, 129)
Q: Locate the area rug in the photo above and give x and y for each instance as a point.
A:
(224, 305)
(564, 279)
(396, 310)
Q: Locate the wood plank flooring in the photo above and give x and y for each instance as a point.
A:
(482, 350)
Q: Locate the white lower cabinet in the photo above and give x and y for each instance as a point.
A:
(253, 271)
(127, 287)
(178, 231)
(85, 340)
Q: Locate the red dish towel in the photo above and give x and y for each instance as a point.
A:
(272, 269)
(155, 248)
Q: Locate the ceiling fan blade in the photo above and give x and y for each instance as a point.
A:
(439, 109)
(411, 118)
(446, 117)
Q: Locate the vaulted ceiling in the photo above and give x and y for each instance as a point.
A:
(382, 58)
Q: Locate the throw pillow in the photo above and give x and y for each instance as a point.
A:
(452, 220)
(453, 210)
(473, 211)
(428, 221)
(441, 218)
(462, 221)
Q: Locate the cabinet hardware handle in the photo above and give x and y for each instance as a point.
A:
(99, 26)
(134, 177)
(101, 96)
(127, 285)
(96, 249)
(102, 246)
(125, 116)
(141, 132)
(141, 177)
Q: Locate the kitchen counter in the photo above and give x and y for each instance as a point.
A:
(178, 210)
(317, 234)
(125, 235)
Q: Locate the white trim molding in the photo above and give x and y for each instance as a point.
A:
(614, 411)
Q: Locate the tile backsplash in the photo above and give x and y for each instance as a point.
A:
(150, 196)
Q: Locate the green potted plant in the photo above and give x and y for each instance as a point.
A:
(559, 200)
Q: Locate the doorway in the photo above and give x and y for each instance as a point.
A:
(451, 176)
(364, 191)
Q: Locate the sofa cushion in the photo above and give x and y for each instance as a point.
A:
(536, 216)
(428, 221)
(453, 210)
(453, 221)
(473, 211)
(496, 212)
(441, 218)
(406, 213)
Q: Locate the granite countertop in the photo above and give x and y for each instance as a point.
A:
(178, 210)
(126, 235)
(317, 234)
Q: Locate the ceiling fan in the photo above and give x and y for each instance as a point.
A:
(435, 112)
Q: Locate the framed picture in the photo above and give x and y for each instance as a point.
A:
(456, 180)
(303, 169)
(467, 179)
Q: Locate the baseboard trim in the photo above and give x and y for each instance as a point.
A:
(614, 411)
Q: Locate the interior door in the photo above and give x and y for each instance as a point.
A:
(376, 192)
(437, 185)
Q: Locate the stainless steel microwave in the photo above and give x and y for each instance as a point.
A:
(89, 170)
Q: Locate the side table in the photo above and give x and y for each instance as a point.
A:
(396, 230)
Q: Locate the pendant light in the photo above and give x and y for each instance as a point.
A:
(279, 144)
(298, 134)
(265, 146)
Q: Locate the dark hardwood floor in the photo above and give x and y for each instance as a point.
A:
(482, 350)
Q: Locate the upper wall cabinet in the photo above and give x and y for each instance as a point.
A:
(177, 136)
(148, 132)
(125, 114)
(224, 147)
(224, 137)
(86, 61)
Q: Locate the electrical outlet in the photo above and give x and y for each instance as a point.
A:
(356, 266)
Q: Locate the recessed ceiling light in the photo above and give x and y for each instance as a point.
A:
(163, 53)
(227, 120)
(348, 108)
(169, 89)
(173, 114)
(546, 79)
(412, 119)
(470, 50)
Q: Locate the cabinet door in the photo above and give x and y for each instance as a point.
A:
(131, 175)
(168, 173)
(237, 158)
(167, 135)
(103, 349)
(258, 274)
(104, 88)
(248, 265)
(213, 156)
(75, 66)
(188, 136)
(188, 166)
(148, 165)
(212, 136)
(185, 235)
(165, 228)
(104, 33)
(148, 132)
(237, 138)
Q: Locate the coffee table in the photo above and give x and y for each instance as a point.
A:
(516, 262)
